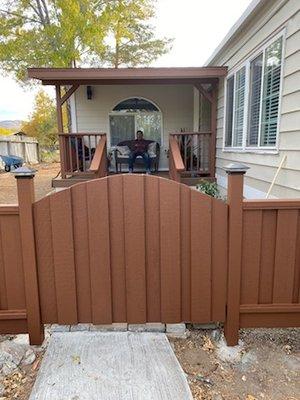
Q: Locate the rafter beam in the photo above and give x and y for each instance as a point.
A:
(206, 94)
(69, 93)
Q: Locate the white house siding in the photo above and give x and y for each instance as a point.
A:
(176, 102)
(272, 19)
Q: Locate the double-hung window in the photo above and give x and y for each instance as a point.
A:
(252, 101)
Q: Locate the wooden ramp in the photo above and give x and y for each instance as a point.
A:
(110, 366)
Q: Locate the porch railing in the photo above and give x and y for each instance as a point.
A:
(176, 166)
(194, 148)
(77, 151)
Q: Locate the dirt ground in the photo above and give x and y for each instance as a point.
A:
(267, 366)
(42, 180)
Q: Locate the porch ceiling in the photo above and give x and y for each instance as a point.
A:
(113, 76)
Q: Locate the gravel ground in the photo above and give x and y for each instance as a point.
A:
(42, 180)
(265, 366)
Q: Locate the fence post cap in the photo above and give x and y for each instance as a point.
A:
(24, 172)
(236, 168)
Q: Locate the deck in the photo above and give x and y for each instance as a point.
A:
(84, 157)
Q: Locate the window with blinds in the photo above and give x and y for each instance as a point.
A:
(255, 88)
(254, 100)
(229, 111)
(271, 93)
(239, 104)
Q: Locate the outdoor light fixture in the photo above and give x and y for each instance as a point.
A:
(89, 92)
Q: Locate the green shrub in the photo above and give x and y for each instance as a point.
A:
(210, 188)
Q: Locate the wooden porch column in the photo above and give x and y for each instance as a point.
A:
(60, 127)
(25, 189)
(235, 202)
(213, 125)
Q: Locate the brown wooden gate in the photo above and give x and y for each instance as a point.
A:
(131, 248)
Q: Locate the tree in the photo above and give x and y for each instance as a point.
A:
(49, 33)
(65, 33)
(5, 131)
(42, 123)
(133, 41)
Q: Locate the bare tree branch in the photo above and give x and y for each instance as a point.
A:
(29, 19)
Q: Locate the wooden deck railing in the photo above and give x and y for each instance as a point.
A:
(99, 161)
(77, 151)
(195, 150)
(176, 166)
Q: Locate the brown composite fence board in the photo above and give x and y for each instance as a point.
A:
(134, 223)
(152, 231)
(45, 261)
(99, 249)
(170, 251)
(219, 260)
(251, 253)
(287, 224)
(185, 241)
(296, 291)
(267, 257)
(12, 260)
(200, 257)
(82, 252)
(63, 256)
(117, 249)
(3, 294)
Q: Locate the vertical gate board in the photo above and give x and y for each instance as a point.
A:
(12, 257)
(170, 251)
(287, 224)
(63, 255)
(252, 230)
(185, 251)
(296, 290)
(3, 292)
(45, 262)
(219, 266)
(134, 223)
(81, 253)
(268, 241)
(99, 248)
(200, 257)
(152, 249)
(117, 250)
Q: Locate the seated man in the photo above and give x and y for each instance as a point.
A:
(139, 147)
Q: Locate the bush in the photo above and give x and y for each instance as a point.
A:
(210, 188)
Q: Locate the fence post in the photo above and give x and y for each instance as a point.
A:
(25, 187)
(235, 202)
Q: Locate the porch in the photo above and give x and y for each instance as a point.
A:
(175, 107)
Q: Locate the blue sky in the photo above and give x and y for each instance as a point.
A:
(198, 27)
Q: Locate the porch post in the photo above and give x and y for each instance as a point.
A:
(213, 126)
(235, 202)
(25, 189)
(60, 127)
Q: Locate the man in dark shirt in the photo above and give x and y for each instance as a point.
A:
(139, 147)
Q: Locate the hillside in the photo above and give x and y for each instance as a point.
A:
(11, 124)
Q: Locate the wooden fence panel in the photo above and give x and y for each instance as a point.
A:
(270, 264)
(131, 248)
(12, 286)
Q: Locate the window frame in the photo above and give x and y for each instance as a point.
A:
(247, 63)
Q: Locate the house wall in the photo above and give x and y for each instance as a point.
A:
(176, 103)
(273, 18)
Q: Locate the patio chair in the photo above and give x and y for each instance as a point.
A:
(122, 151)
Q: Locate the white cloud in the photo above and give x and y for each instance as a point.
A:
(197, 26)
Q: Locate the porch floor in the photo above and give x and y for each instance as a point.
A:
(72, 180)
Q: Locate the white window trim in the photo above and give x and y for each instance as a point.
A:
(254, 149)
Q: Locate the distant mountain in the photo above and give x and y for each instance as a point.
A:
(14, 125)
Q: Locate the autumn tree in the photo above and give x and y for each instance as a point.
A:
(5, 131)
(65, 33)
(42, 122)
(132, 37)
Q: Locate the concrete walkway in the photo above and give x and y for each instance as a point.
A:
(110, 366)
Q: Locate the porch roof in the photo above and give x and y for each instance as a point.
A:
(117, 76)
